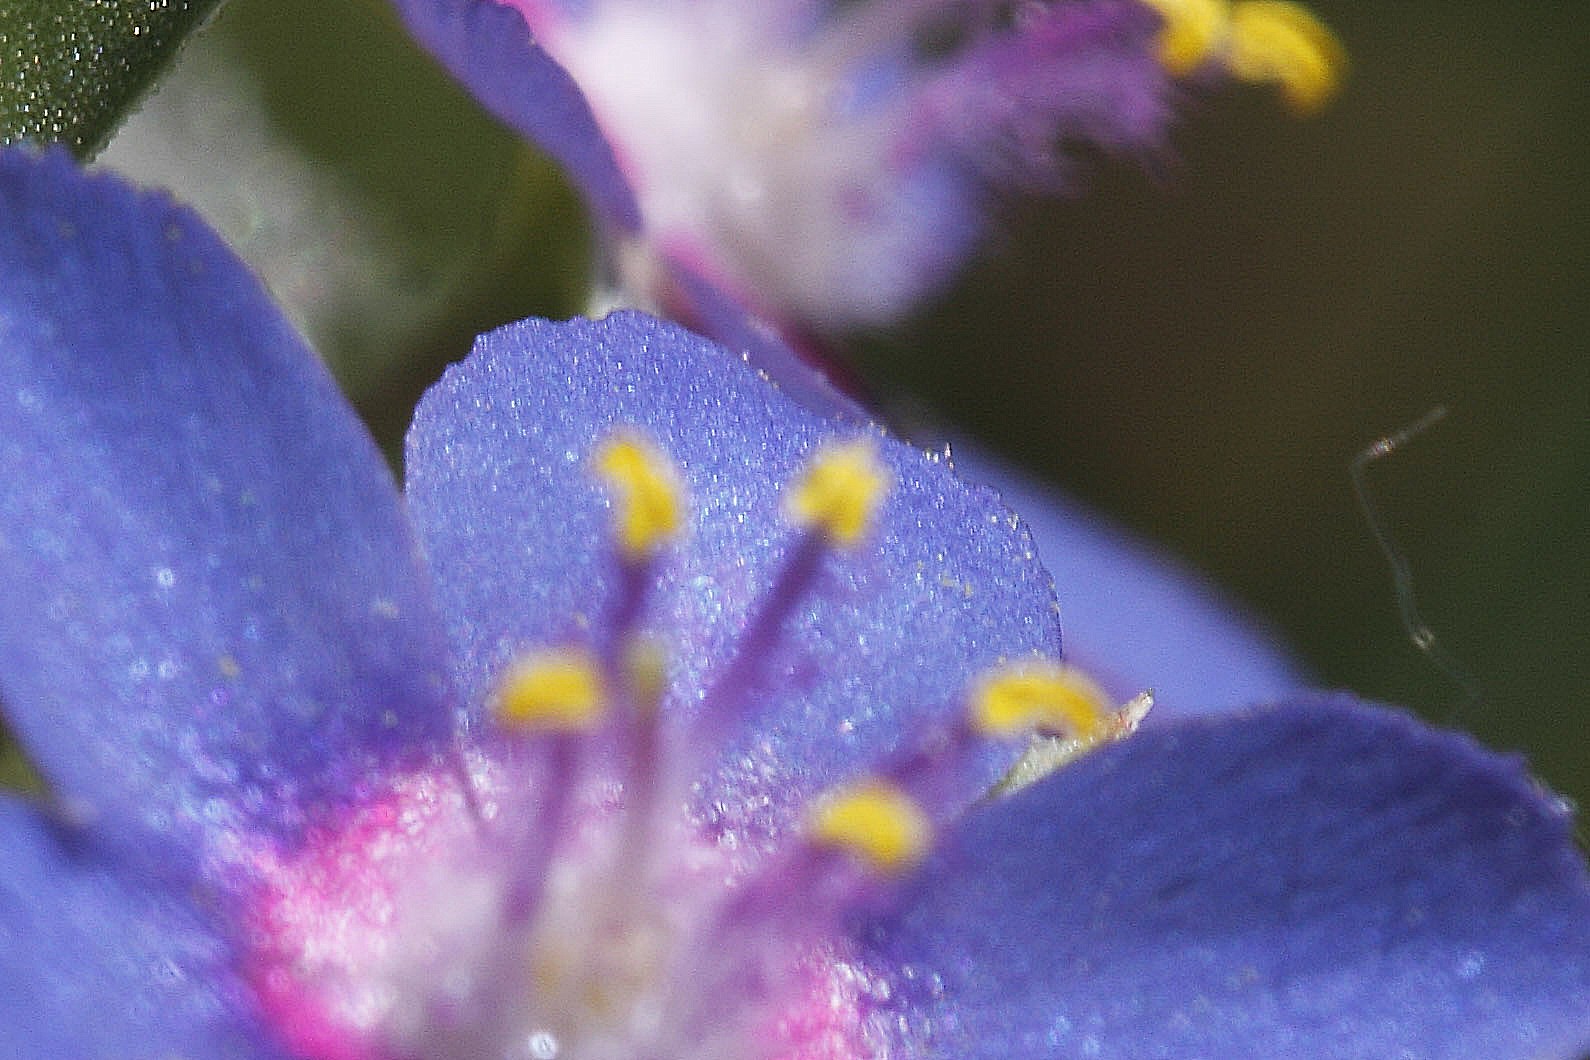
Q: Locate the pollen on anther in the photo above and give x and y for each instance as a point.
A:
(554, 691)
(875, 822)
(840, 491)
(1046, 697)
(649, 496)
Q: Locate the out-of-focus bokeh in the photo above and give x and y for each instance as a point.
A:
(1205, 357)
(1199, 347)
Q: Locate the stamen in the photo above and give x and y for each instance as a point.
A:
(557, 691)
(1273, 41)
(1193, 31)
(1045, 754)
(1049, 697)
(834, 501)
(649, 494)
(875, 822)
(558, 696)
(648, 514)
(645, 669)
(840, 492)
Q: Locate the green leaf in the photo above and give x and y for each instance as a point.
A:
(70, 70)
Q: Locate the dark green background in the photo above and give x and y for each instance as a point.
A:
(1206, 357)
(1201, 350)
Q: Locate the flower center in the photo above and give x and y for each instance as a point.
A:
(549, 893)
(422, 930)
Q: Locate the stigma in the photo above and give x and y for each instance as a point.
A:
(550, 894)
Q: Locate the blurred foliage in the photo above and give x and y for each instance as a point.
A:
(476, 226)
(70, 69)
(1199, 349)
(15, 772)
(479, 222)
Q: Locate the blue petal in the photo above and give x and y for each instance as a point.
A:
(1135, 618)
(97, 966)
(516, 530)
(213, 614)
(488, 47)
(1316, 879)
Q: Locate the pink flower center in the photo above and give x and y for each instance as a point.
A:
(553, 894)
(417, 928)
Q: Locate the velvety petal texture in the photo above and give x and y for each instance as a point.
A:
(94, 963)
(1135, 618)
(214, 618)
(1319, 879)
(516, 528)
(488, 47)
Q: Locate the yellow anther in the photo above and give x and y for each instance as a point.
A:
(840, 491)
(1266, 41)
(1193, 31)
(1045, 697)
(875, 822)
(648, 494)
(555, 691)
(1281, 43)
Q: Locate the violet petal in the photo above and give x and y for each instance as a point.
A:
(1315, 879)
(214, 616)
(96, 964)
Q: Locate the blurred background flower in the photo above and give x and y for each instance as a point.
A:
(1200, 352)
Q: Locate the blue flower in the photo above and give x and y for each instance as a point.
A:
(657, 719)
(831, 164)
